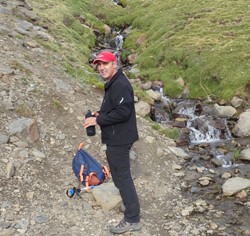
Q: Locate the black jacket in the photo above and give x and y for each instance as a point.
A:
(117, 117)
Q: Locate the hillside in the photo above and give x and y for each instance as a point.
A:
(42, 108)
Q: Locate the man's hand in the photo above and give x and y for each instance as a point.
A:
(91, 121)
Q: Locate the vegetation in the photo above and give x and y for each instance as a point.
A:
(172, 133)
(204, 42)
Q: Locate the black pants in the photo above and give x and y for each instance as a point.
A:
(119, 164)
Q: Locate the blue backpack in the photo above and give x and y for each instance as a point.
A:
(87, 169)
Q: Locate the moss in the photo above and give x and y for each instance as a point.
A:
(172, 133)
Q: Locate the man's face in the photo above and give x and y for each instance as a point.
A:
(107, 69)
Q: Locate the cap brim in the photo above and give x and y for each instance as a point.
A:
(103, 60)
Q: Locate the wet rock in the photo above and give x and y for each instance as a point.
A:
(245, 154)
(225, 111)
(226, 175)
(179, 152)
(242, 194)
(242, 127)
(204, 181)
(234, 185)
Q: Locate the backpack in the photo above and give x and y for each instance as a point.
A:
(88, 171)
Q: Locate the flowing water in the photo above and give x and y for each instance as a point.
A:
(204, 127)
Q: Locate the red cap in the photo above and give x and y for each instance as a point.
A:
(105, 56)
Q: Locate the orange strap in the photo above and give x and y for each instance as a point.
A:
(87, 183)
(81, 145)
(105, 170)
(81, 173)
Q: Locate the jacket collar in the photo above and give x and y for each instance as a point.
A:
(115, 76)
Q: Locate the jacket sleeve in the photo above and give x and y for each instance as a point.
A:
(122, 100)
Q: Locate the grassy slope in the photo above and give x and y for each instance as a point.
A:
(72, 26)
(205, 42)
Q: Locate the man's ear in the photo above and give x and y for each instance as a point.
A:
(115, 64)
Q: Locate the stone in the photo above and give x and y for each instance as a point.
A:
(107, 195)
(245, 154)
(25, 128)
(225, 111)
(235, 185)
(4, 139)
(242, 127)
(10, 170)
(142, 108)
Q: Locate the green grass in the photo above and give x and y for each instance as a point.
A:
(172, 133)
(204, 42)
(207, 43)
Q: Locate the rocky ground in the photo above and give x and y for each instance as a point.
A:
(42, 110)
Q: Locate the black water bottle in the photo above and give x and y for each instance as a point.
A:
(90, 129)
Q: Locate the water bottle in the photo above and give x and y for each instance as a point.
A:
(91, 129)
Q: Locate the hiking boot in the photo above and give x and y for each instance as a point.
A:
(125, 226)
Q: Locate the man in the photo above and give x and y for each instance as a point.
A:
(117, 121)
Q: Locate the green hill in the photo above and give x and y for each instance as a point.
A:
(206, 43)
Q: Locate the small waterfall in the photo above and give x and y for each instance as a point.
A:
(202, 128)
(118, 41)
(205, 133)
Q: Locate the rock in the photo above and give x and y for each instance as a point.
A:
(176, 167)
(154, 94)
(41, 219)
(234, 185)
(179, 152)
(151, 139)
(242, 194)
(142, 108)
(236, 102)
(107, 195)
(63, 86)
(204, 181)
(25, 128)
(4, 139)
(187, 211)
(242, 127)
(10, 170)
(225, 111)
(226, 175)
(245, 154)
(147, 85)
